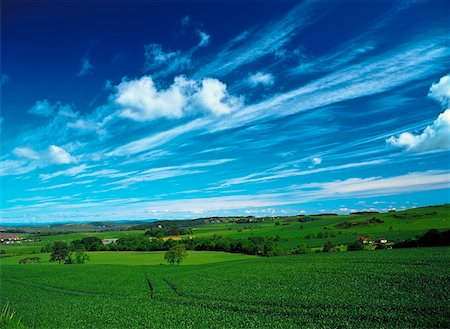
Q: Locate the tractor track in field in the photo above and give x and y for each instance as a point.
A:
(151, 288)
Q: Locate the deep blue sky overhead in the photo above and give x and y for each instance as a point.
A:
(120, 110)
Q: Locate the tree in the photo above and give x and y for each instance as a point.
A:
(60, 250)
(175, 254)
(328, 247)
(92, 243)
(355, 246)
(81, 257)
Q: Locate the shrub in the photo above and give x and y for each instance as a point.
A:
(355, 246)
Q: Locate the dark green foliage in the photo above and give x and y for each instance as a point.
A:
(355, 246)
(30, 260)
(47, 248)
(328, 247)
(351, 224)
(81, 257)
(301, 249)
(175, 254)
(431, 238)
(59, 252)
(159, 232)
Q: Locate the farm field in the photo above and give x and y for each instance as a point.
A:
(137, 258)
(381, 289)
(341, 229)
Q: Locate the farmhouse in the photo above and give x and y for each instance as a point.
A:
(365, 239)
(382, 241)
(10, 238)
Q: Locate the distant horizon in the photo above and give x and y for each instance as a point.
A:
(11, 224)
(144, 109)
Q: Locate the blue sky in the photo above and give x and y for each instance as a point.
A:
(143, 110)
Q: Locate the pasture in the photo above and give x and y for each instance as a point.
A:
(137, 258)
(341, 229)
(382, 289)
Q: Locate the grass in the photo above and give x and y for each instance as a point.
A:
(137, 258)
(9, 319)
(395, 226)
(406, 288)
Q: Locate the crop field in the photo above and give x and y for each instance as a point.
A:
(137, 258)
(383, 289)
(395, 226)
(342, 229)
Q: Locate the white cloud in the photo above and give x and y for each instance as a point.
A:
(204, 38)
(155, 140)
(409, 62)
(58, 155)
(169, 172)
(86, 126)
(213, 97)
(316, 160)
(25, 153)
(275, 173)
(53, 187)
(260, 78)
(440, 91)
(86, 67)
(42, 108)
(435, 136)
(74, 171)
(16, 167)
(140, 99)
(155, 56)
(379, 186)
(260, 42)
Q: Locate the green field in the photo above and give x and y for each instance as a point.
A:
(395, 226)
(406, 288)
(137, 258)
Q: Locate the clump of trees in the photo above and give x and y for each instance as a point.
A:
(320, 235)
(176, 254)
(432, 238)
(263, 246)
(355, 246)
(62, 252)
(30, 260)
(159, 232)
(329, 247)
(89, 243)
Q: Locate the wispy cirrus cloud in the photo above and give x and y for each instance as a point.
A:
(86, 67)
(191, 207)
(168, 172)
(260, 42)
(153, 141)
(407, 63)
(42, 108)
(276, 173)
(58, 186)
